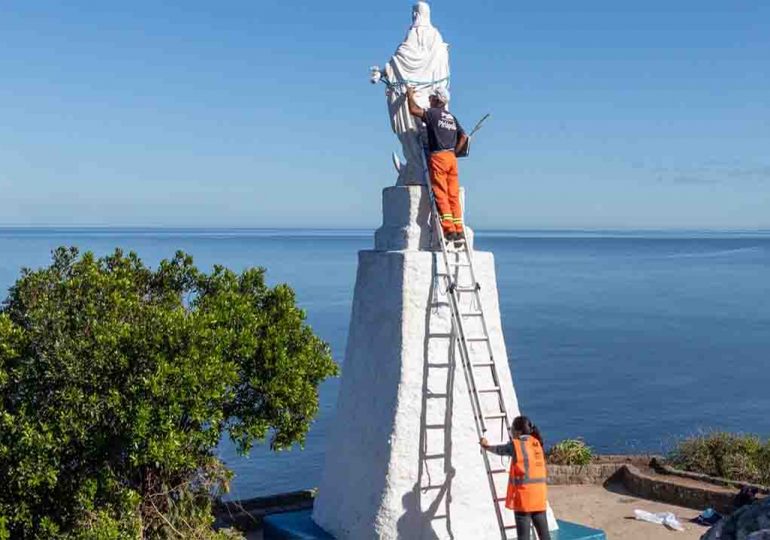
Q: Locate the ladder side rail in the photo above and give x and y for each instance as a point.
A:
(485, 328)
(495, 373)
(478, 411)
(464, 351)
(455, 309)
(468, 373)
(457, 322)
(465, 357)
(481, 428)
(493, 491)
(481, 424)
(501, 403)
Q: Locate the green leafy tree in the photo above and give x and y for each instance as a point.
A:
(117, 382)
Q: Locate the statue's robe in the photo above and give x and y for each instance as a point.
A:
(422, 60)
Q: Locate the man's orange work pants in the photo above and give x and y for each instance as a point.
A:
(446, 190)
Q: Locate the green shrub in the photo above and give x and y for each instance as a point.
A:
(570, 452)
(763, 463)
(725, 455)
(117, 382)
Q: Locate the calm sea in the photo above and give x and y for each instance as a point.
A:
(628, 340)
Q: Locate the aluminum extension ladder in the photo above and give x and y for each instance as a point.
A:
(463, 259)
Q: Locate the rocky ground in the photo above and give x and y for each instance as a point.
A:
(745, 523)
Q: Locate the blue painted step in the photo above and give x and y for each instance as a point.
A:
(299, 526)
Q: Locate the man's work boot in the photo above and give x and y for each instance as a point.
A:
(449, 239)
(459, 239)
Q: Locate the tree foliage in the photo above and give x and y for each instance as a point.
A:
(117, 382)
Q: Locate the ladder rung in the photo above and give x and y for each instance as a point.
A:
(459, 265)
(509, 526)
(434, 456)
(497, 471)
(477, 338)
(473, 314)
(436, 396)
(483, 364)
(494, 416)
(465, 289)
(430, 365)
(500, 499)
(489, 390)
(435, 426)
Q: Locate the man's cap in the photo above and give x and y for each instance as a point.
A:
(442, 94)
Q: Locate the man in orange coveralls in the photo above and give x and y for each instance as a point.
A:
(445, 138)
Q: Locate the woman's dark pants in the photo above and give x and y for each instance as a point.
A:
(524, 521)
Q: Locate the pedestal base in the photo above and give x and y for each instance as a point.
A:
(299, 526)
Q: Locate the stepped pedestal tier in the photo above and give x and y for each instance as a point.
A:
(406, 221)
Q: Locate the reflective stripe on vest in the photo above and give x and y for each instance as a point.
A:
(527, 489)
(520, 450)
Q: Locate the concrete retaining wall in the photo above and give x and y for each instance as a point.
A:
(628, 470)
(566, 475)
(689, 496)
(247, 514)
(665, 469)
(596, 473)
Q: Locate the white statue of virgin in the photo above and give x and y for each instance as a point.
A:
(421, 61)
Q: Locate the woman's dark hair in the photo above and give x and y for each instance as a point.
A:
(526, 427)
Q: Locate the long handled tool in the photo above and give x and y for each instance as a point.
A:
(466, 150)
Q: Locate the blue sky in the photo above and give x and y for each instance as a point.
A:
(605, 114)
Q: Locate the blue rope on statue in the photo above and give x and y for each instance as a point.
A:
(406, 82)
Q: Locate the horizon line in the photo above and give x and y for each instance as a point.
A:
(371, 229)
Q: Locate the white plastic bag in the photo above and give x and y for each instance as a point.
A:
(660, 518)
(643, 515)
(671, 522)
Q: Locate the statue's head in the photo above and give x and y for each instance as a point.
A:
(421, 14)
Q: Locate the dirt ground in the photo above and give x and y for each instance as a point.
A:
(612, 510)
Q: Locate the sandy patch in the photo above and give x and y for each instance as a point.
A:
(612, 510)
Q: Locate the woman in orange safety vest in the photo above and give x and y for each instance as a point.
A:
(527, 491)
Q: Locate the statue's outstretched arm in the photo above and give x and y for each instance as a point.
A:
(375, 74)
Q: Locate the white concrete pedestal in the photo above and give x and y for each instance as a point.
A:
(403, 459)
